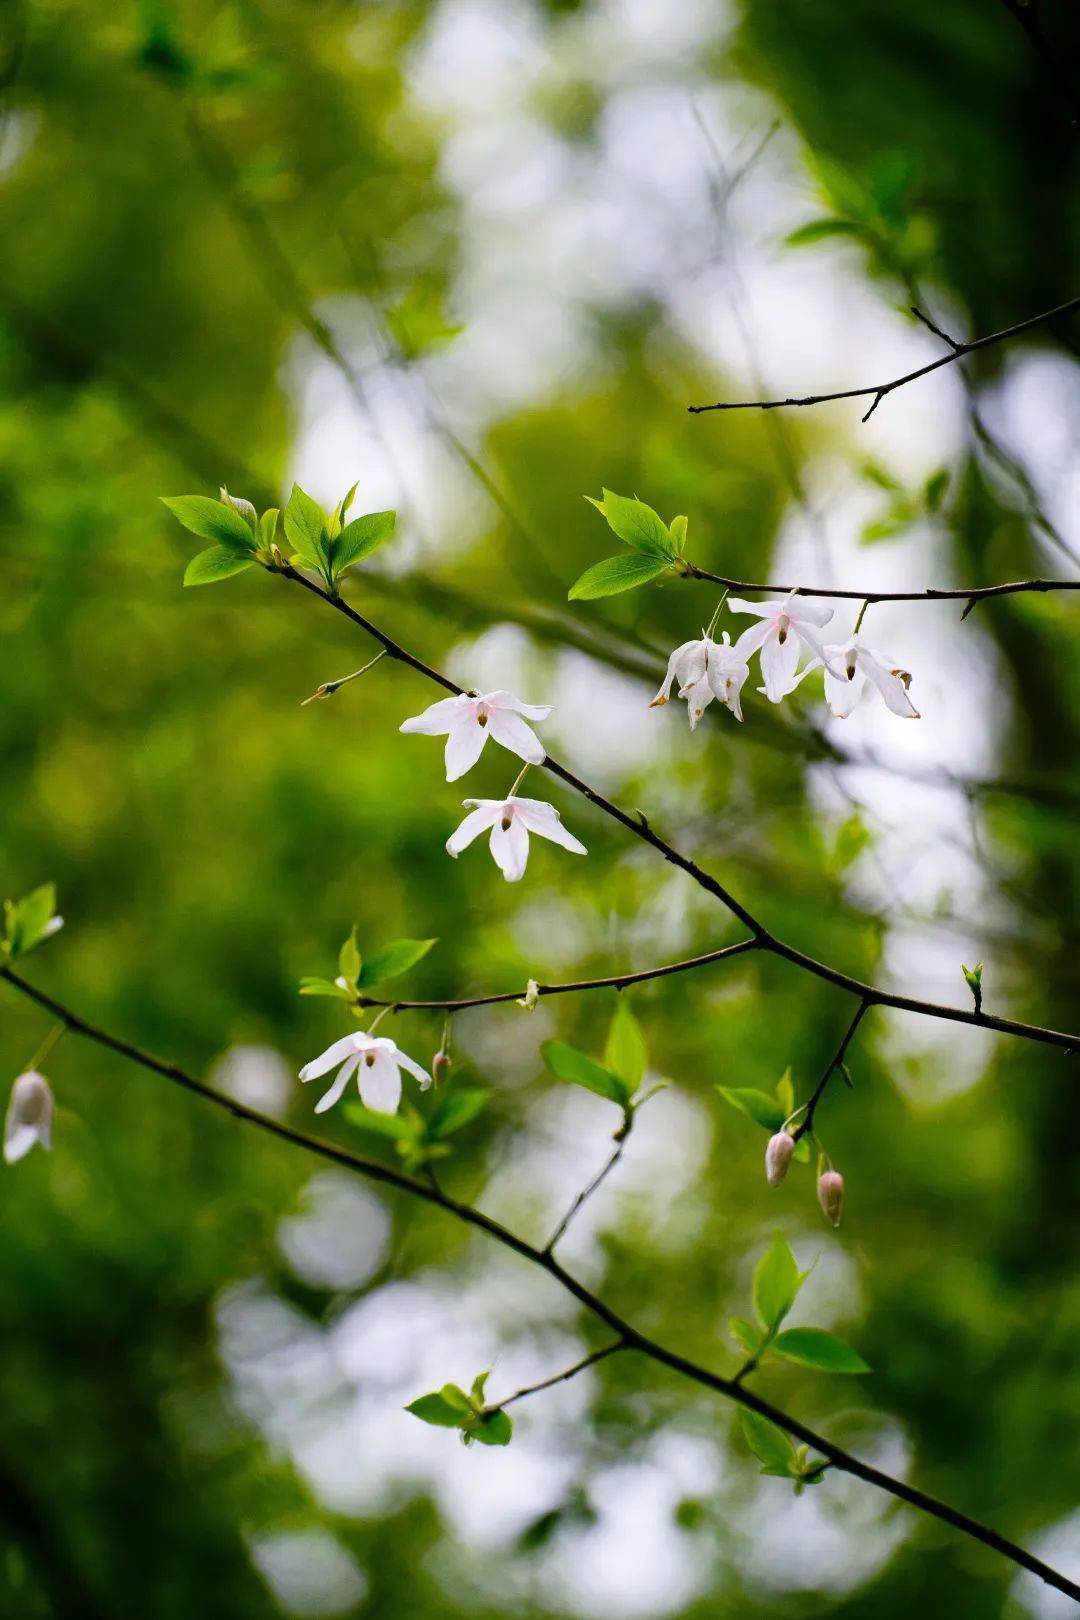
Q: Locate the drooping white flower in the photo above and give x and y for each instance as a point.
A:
(850, 665)
(786, 628)
(705, 669)
(511, 821)
(29, 1116)
(469, 719)
(377, 1063)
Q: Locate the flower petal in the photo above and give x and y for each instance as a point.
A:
(779, 661)
(842, 695)
(888, 683)
(414, 1068)
(507, 700)
(464, 744)
(698, 697)
(510, 847)
(751, 640)
(543, 818)
(344, 1075)
(762, 610)
(802, 611)
(380, 1084)
(510, 730)
(330, 1058)
(439, 717)
(476, 822)
(29, 1116)
(680, 666)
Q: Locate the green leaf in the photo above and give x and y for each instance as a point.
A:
(211, 520)
(677, 530)
(219, 562)
(625, 1054)
(305, 529)
(769, 1444)
(324, 987)
(457, 1109)
(360, 537)
(268, 527)
(32, 919)
(813, 1347)
(616, 574)
(785, 1093)
(636, 524)
(493, 1429)
(746, 1334)
(776, 1282)
(567, 1063)
(816, 230)
(394, 959)
(934, 491)
(479, 1384)
(436, 1409)
(757, 1105)
(245, 509)
(349, 959)
(395, 1127)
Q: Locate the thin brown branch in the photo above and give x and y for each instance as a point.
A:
(630, 1337)
(836, 1062)
(641, 828)
(562, 1377)
(876, 392)
(966, 593)
(621, 1138)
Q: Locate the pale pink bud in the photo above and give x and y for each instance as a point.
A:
(778, 1157)
(830, 1191)
(440, 1066)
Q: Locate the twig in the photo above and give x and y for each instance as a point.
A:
(643, 830)
(601, 1176)
(836, 1062)
(965, 593)
(563, 1377)
(328, 688)
(880, 391)
(630, 1336)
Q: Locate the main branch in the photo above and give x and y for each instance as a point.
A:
(970, 594)
(628, 1336)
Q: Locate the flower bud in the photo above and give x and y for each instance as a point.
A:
(440, 1066)
(830, 1191)
(778, 1157)
(29, 1116)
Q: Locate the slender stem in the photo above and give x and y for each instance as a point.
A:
(562, 1377)
(385, 1007)
(518, 779)
(328, 688)
(862, 616)
(837, 1059)
(47, 1045)
(630, 1336)
(963, 593)
(642, 829)
(879, 391)
(716, 614)
(601, 1176)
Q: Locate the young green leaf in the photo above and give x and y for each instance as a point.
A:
(677, 530)
(31, 920)
(219, 562)
(757, 1105)
(776, 1282)
(770, 1445)
(324, 987)
(785, 1093)
(746, 1334)
(813, 1347)
(392, 960)
(349, 959)
(360, 537)
(268, 527)
(625, 1054)
(245, 509)
(395, 1127)
(616, 574)
(636, 524)
(493, 1429)
(457, 1109)
(934, 489)
(436, 1409)
(479, 1384)
(305, 529)
(567, 1063)
(816, 230)
(211, 520)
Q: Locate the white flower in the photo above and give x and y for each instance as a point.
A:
(29, 1116)
(705, 669)
(785, 628)
(467, 722)
(849, 666)
(511, 821)
(375, 1060)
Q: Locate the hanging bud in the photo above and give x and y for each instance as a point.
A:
(440, 1066)
(778, 1157)
(29, 1116)
(830, 1191)
(531, 996)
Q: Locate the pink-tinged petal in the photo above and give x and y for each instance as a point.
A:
(337, 1090)
(380, 1084)
(475, 823)
(330, 1058)
(29, 1116)
(439, 717)
(510, 730)
(831, 657)
(464, 745)
(761, 610)
(751, 640)
(779, 661)
(507, 700)
(889, 684)
(414, 1069)
(543, 818)
(510, 847)
(802, 611)
(842, 695)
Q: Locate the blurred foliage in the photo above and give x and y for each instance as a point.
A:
(199, 204)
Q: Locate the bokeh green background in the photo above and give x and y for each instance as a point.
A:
(204, 1350)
